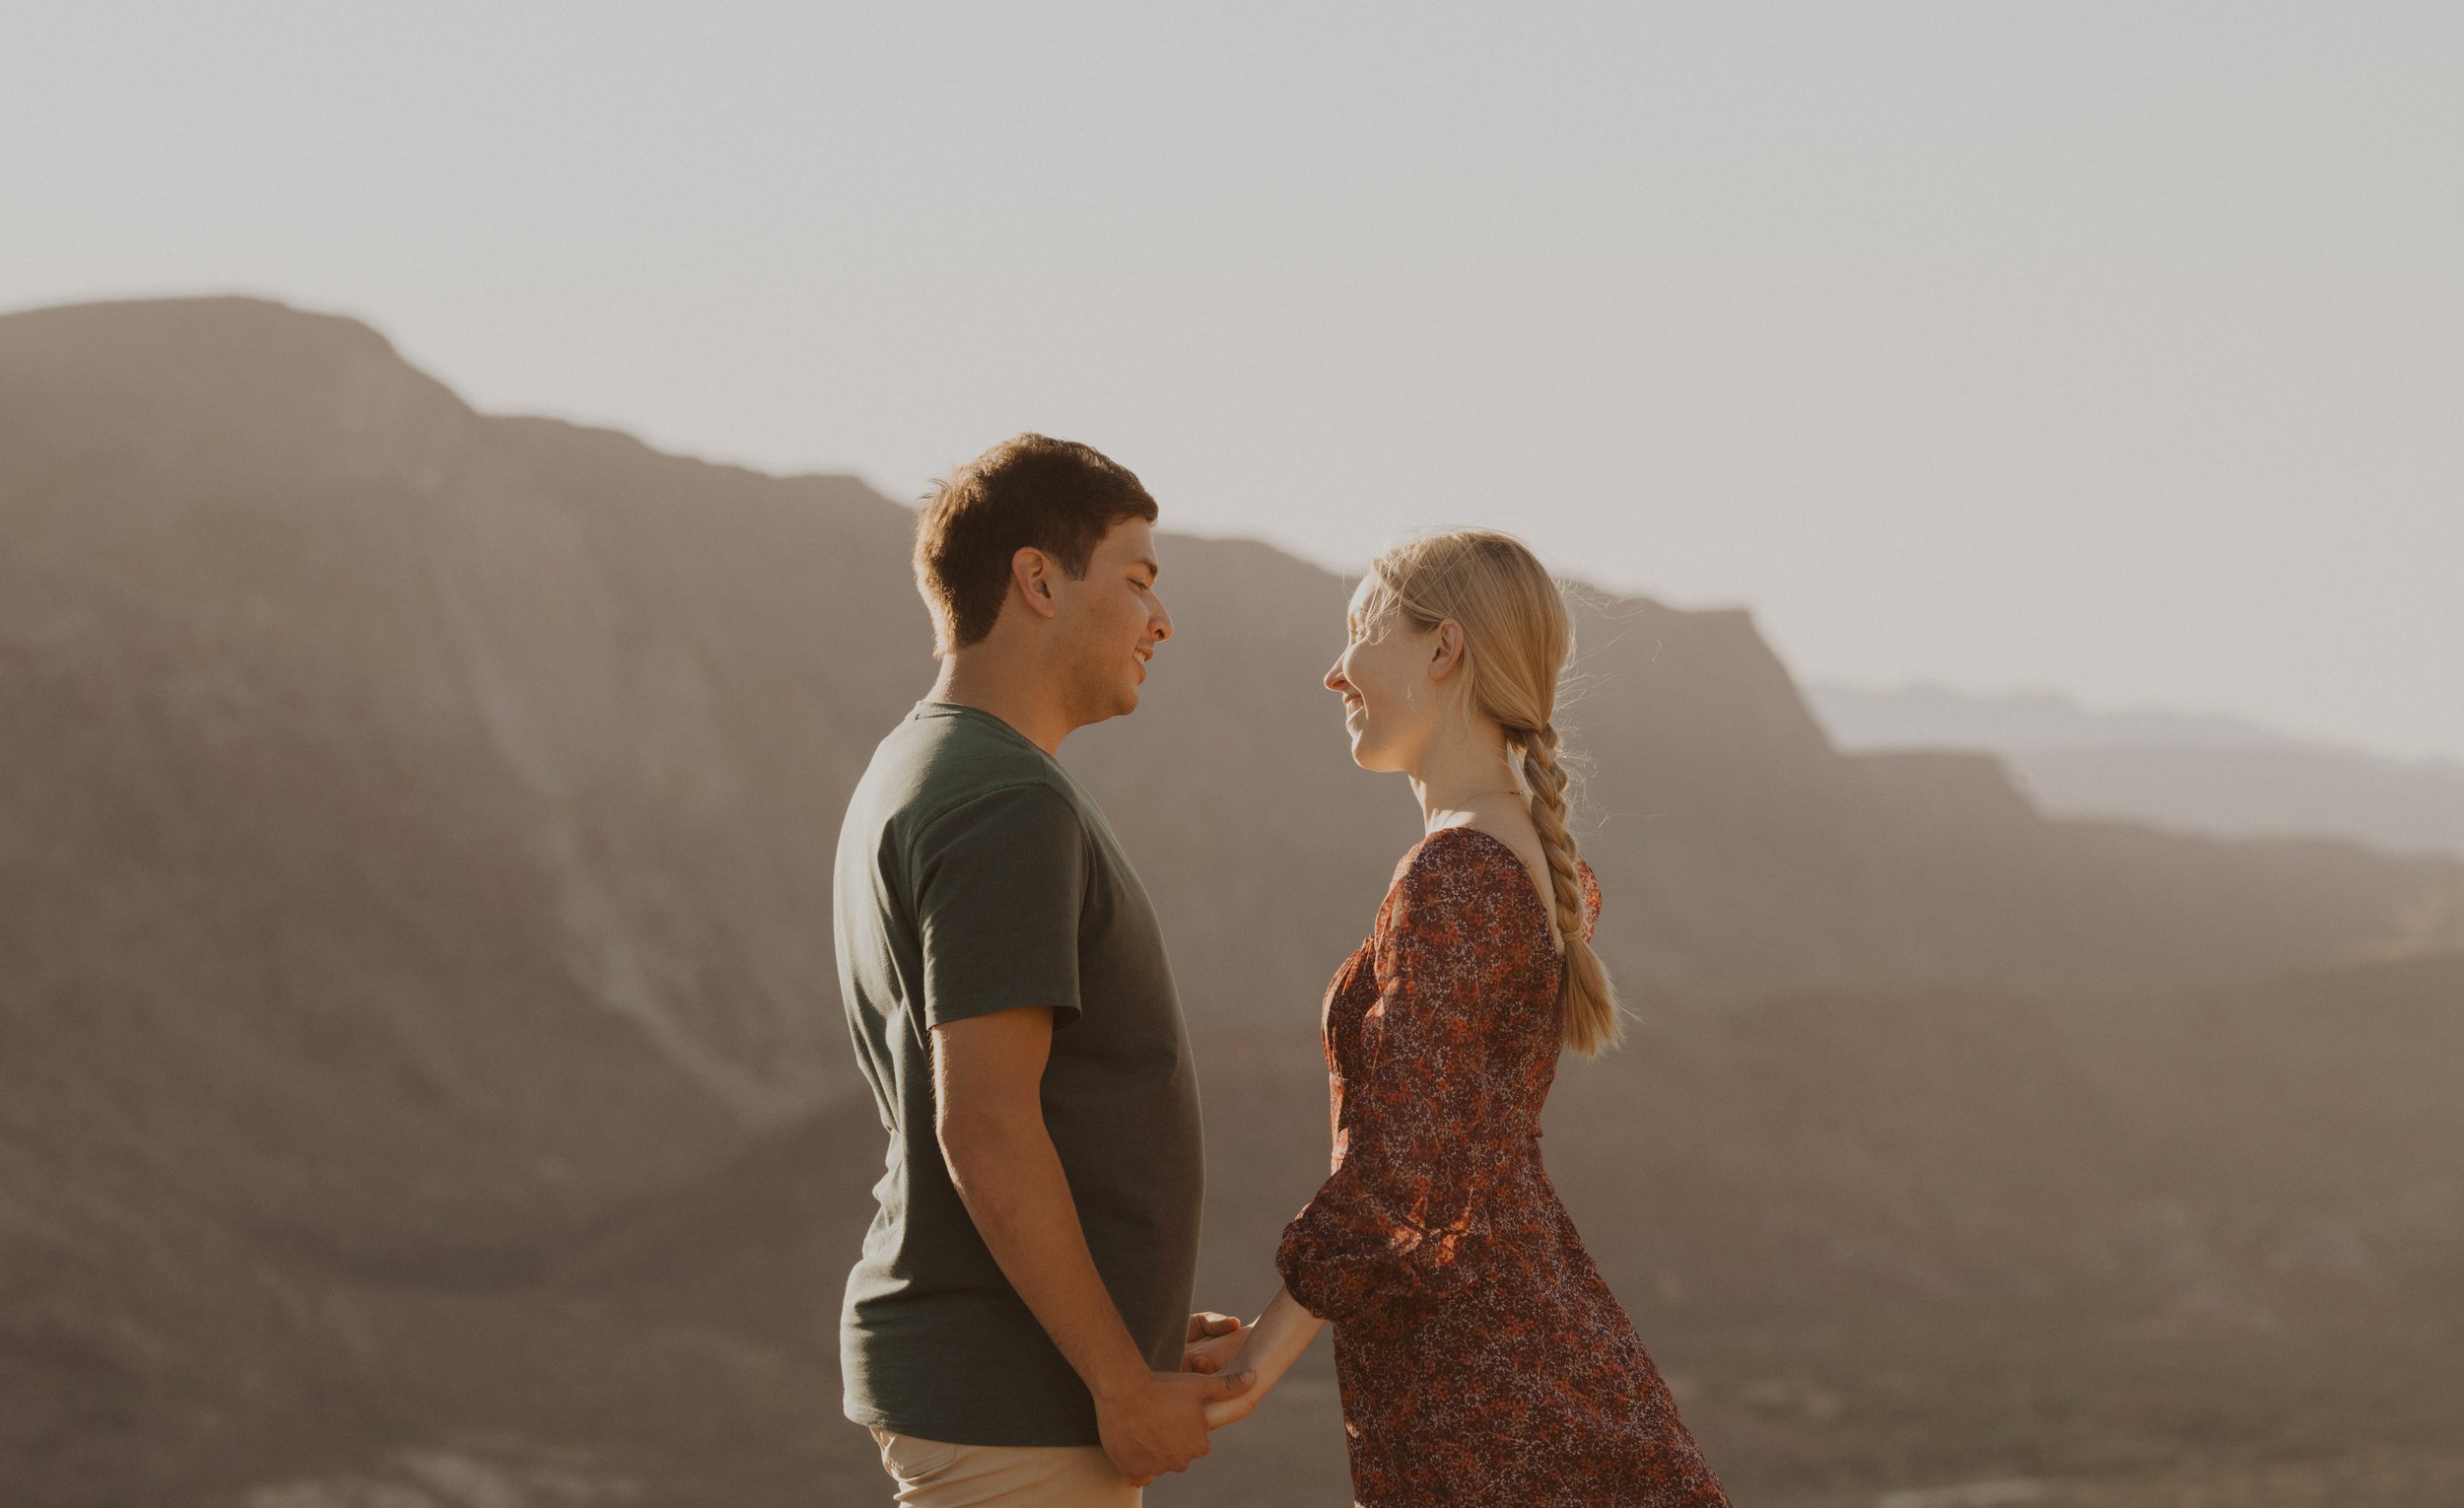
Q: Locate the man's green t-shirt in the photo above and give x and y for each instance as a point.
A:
(975, 876)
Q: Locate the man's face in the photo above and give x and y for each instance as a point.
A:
(1109, 622)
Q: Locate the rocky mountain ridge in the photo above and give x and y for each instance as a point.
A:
(416, 826)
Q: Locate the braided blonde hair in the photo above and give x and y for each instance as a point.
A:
(1516, 637)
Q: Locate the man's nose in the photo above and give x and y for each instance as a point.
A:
(1160, 623)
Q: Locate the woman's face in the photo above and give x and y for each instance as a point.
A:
(1390, 699)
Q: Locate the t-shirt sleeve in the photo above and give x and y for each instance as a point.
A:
(1000, 882)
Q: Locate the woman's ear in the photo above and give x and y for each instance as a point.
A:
(1445, 652)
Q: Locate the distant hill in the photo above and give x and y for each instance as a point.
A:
(2202, 774)
(1921, 714)
(421, 1071)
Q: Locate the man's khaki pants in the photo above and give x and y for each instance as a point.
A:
(933, 1473)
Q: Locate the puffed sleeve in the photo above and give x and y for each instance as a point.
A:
(1427, 1132)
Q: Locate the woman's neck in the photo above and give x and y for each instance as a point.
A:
(1463, 774)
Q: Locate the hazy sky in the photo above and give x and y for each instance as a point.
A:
(2116, 349)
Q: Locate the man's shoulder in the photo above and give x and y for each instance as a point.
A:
(931, 768)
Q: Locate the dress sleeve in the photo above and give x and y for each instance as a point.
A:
(1427, 1132)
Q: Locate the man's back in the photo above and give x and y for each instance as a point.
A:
(974, 875)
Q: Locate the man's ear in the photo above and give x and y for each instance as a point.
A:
(1031, 571)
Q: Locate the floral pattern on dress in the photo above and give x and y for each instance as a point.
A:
(1482, 1358)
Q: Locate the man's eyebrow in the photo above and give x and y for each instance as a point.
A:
(1148, 561)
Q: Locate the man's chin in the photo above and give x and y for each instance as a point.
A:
(1121, 705)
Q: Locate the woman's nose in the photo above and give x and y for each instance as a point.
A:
(1334, 677)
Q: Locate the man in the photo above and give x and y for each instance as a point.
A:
(1017, 1331)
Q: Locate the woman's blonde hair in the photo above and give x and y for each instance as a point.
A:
(1516, 638)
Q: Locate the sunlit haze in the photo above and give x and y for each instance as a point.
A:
(2114, 349)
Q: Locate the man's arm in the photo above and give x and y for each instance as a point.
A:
(988, 1074)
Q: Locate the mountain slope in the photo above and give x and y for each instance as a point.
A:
(2208, 774)
(415, 832)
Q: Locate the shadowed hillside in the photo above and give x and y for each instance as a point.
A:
(421, 1064)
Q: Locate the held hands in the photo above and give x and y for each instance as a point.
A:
(1163, 1426)
(1233, 1409)
(1213, 1340)
(1158, 1423)
(1268, 1350)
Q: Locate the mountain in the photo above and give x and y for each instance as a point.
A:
(2133, 1246)
(2195, 774)
(421, 1071)
(1923, 714)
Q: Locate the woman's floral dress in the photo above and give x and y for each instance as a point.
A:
(1482, 1358)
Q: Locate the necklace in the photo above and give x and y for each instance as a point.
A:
(1465, 803)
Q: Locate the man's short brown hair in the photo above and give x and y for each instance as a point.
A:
(1030, 491)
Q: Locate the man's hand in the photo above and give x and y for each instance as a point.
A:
(1215, 1339)
(1232, 1410)
(1158, 1424)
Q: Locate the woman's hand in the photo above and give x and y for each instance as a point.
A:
(1213, 1340)
(1270, 1348)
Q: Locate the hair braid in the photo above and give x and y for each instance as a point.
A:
(1590, 1009)
(1517, 637)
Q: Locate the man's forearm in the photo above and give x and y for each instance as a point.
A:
(1010, 1179)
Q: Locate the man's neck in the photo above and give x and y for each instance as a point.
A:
(983, 682)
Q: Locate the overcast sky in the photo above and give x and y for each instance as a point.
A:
(2112, 349)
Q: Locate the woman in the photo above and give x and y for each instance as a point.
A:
(1482, 1358)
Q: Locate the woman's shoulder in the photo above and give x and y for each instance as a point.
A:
(1451, 850)
(1447, 867)
(1462, 863)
